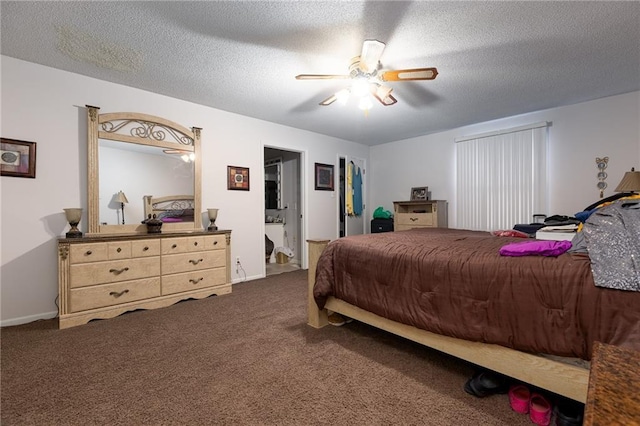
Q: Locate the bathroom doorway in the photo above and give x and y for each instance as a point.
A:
(283, 216)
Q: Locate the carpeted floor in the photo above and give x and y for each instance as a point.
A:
(247, 358)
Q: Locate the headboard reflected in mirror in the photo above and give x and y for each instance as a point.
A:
(140, 154)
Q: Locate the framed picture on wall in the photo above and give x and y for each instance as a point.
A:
(420, 193)
(324, 177)
(17, 158)
(238, 178)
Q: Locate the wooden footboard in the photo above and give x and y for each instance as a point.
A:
(558, 377)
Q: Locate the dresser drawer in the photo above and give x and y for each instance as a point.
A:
(182, 245)
(416, 219)
(119, 250)
(175, 263)
(215, 242)
(145, 248)
(87, 274)
(193, 280)
(99, 296)
(83, 253)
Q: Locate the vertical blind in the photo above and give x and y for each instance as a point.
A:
(501, 178)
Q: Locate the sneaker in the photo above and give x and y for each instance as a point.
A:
(338, 320)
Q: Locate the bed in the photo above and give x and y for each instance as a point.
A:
(170, 209)
(531, 318)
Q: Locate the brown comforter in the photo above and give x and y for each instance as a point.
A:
(455, 283)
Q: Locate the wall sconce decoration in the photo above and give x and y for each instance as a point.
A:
(630, 182)
(213, 215)
(73, 217)
(122, 199)
(602, 175)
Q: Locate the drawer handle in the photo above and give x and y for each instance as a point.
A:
(174, 246)
(195, 262)
(119, 271)
(118, 249)
(192, 281)
(88, 253)
(145, 249)
(413, 219)
(117, 294)
(195, 243)
(215, 242)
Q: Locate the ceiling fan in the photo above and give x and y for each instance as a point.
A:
(368, 77)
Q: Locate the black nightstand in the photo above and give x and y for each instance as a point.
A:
(381, 225)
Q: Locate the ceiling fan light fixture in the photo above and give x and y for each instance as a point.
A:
(365, 103)
(343, 96)
(367, 77)
(187, 158)
(360, 87)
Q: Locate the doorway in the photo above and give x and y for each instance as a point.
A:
(351, 222)
(283, 195)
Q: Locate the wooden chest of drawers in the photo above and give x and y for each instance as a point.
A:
(419, 214)
(102, 277)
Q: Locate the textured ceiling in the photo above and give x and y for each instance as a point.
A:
(495, 59)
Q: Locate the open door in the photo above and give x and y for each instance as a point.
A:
(352, 205)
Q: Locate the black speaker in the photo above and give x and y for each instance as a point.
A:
(381, 225)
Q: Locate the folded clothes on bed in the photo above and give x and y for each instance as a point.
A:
(536, 248)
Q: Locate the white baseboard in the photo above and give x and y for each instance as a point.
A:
(27, 319)
(251, 278)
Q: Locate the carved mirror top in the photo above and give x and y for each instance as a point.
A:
(117, 134)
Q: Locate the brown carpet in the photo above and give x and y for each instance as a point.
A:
(247, 358)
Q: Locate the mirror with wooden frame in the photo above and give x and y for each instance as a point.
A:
(141, 165)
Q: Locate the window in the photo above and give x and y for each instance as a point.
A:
(501, 178)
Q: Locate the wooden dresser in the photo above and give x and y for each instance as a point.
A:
(419, 214)
(105, 276)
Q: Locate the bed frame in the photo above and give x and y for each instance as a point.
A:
(553, 375)
(157, 205)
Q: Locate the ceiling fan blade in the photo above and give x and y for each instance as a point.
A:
(409, 74)
(319, 76)
(383, 94)
(370, 56)
(331, 99)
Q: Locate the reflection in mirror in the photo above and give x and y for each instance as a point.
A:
(273, 184)
(154, 161)
(138, 170)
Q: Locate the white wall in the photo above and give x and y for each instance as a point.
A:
(578, 134)
(46, 106)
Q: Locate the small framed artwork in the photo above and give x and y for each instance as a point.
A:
(238, 178)
(17, 158)
(419, 193)
(324, 177)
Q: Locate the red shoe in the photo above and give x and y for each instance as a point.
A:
(540, 410)
(519, 398)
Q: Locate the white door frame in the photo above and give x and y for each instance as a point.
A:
(304, 231)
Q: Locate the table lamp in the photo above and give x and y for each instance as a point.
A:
(122, 199)
(213, 215)
(630, 182)
(73, 217)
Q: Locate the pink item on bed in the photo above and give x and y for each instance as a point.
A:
(536, 248)
(171, 219)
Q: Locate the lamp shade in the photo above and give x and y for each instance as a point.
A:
(120, 198)
(630, 182)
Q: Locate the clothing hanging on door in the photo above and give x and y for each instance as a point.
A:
(357, 191)
(349, 189)
(354, 190)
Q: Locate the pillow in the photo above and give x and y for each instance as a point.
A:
(536, 248)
